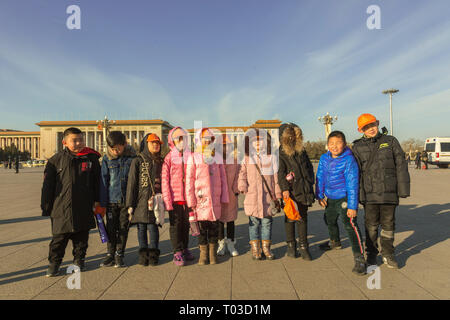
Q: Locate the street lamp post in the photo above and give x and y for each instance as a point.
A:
(328, 120)
(390, 92)
(105, 124)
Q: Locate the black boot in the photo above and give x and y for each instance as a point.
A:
(331, 245)
(360, 265)
(53, 270)
(118, 259)
(371, 259)
(291, 249)
(80, 264)
(143, 257)
(108, 261)
(303, 249)
(153, 256)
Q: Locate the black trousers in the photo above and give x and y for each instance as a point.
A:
(57, 247)
(209, 231)
(179, 227)
(230, 230)
(380, 215)
(302, 226)
(117, 228)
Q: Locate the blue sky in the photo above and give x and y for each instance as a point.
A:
(227, 63)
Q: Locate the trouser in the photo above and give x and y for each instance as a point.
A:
(376, 215)
(179, 227)
(57, 247)
(209, 231)
(260, 229)
(230, 230)
(117, 228)
(336, 208)
(142, 235)
(301, 224)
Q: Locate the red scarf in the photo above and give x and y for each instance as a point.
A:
(86, 151)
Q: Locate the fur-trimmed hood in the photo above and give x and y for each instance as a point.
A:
(290, 131)
(128, 152)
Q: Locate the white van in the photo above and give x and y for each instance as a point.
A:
(438, 149)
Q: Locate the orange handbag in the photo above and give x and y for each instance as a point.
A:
(291, 209)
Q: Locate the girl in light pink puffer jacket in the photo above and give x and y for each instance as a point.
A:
(257, 196)
(173, 189)
(206, 190)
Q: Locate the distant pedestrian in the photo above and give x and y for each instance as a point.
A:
(16, 164)
(424, 158)
(417, 159)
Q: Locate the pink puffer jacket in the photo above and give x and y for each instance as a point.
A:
(206, 187)
(173, 173)
(257, 198)
(230, 210)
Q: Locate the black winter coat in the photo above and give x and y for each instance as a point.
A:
(387, 178)
(301, 188)
(138, 188)
(70, 188)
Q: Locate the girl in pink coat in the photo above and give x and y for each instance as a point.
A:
(173, 190)
(257, 196)
(229, 210)
(206, 190)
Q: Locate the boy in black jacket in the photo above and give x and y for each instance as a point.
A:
(70, 189)
(384, 178)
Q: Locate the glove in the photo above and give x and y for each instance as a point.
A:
(100, 210)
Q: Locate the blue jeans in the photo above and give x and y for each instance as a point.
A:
(142, 235)
(260, 229)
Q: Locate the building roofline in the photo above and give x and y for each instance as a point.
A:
(94, 123)
(19, 133)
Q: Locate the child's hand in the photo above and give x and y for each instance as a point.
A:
(351, 213)
(285, 194)
(130, 213)
(323, 202)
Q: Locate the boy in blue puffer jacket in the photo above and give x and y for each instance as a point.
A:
(337, 179)
(113, 187)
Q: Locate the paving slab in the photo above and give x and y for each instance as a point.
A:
(422, 242)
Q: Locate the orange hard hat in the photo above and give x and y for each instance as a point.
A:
(153, 138)
(365, 119)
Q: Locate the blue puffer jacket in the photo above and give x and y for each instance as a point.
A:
(338, 178)
(114, 177)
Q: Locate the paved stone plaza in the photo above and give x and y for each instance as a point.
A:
(422, 246)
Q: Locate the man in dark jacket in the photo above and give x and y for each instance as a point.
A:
(384, 178)
(417, 160)
(70, 189)
(296, 180)
(114, 177)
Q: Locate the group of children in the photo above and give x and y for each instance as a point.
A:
(199, 190)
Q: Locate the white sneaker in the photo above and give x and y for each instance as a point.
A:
(231, 248)
(221, 248)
